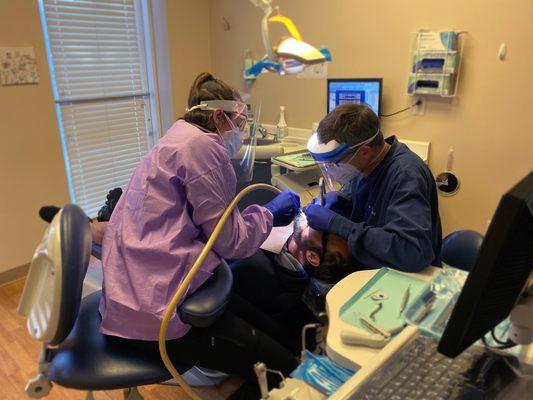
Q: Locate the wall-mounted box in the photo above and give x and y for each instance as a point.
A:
(436, 63)
(437, 41)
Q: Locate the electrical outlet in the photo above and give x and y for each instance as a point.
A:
(421, 108)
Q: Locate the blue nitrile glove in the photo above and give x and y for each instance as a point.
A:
(318, 217)
(330, 199)
(284, 207)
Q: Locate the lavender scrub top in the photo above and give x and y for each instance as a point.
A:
(160, 225)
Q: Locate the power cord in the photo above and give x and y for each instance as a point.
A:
(501, 344)
(417, 103)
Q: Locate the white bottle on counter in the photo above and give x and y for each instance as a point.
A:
(282, 129)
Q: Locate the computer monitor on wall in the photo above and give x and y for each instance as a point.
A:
(356, 90)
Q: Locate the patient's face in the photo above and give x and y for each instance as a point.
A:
(306, 243)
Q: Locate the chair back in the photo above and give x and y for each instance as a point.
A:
(52, 293)
(460, 249)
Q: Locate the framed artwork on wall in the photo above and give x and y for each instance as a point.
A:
(17, 66)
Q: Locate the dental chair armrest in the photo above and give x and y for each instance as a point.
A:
(205, 305)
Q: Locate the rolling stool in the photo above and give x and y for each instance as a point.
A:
(75, 354)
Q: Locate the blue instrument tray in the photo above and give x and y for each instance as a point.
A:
(392, 285)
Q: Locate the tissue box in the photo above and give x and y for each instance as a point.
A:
(437, 41)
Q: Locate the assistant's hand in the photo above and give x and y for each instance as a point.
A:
(330, 199)
(284, 207)
(318, 217)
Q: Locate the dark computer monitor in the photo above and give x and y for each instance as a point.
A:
(357, 90)
(500, 274)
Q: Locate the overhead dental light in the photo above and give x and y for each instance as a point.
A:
(291, 54)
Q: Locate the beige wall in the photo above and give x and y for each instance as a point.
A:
(32, 169)
(490, 124)
(189, 46)
(32, 172)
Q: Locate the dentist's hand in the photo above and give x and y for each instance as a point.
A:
(318, 217)
(284, 207)
(330, 199)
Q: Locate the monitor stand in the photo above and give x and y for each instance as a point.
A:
(521, 332)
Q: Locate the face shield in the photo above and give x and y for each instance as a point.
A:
(329, 155)
(237, 115)
(246, 162)
(236, 111)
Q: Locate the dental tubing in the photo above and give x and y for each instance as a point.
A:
(182, 288)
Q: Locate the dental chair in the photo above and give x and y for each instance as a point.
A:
(74, 353)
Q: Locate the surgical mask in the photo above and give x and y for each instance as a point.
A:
(344, 172)
(233, 139)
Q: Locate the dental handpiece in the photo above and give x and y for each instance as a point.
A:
(321, 191)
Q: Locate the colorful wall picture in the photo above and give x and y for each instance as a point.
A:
(18, 66)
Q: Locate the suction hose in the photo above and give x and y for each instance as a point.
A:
(182, 288)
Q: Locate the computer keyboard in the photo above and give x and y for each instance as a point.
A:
(418, 372)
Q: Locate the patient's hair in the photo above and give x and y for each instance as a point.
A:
(207, 87)
(333, 267)
(350, 123)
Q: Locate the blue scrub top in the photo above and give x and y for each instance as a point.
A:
(393, 216)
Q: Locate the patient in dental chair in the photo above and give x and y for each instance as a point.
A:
(322, 255)
(290, 286)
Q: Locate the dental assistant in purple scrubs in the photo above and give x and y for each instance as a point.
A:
(169, 209)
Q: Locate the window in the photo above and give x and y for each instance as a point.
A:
(103, 90)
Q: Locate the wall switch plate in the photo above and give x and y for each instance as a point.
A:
(420, 109)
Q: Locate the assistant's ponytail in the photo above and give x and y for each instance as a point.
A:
(207, 87)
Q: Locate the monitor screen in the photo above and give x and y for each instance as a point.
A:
(500, 274)
(366, 91)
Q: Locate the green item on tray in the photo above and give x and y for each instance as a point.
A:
(300, 159)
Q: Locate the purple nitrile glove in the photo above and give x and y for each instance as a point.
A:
(284, 207)
(318, 217)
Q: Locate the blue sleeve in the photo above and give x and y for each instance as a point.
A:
(344, 206)
(405, 241)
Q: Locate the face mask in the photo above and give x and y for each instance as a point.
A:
(344, 172)
(233, 138)
(233, 141)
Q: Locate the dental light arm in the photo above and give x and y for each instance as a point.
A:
(291, 54)
(182, 288)
(266, 6)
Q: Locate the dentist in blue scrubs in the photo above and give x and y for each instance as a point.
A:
(388, 208)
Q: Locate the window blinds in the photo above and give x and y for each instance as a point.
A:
(98, 65)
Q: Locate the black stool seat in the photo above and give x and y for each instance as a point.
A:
(90, 360)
